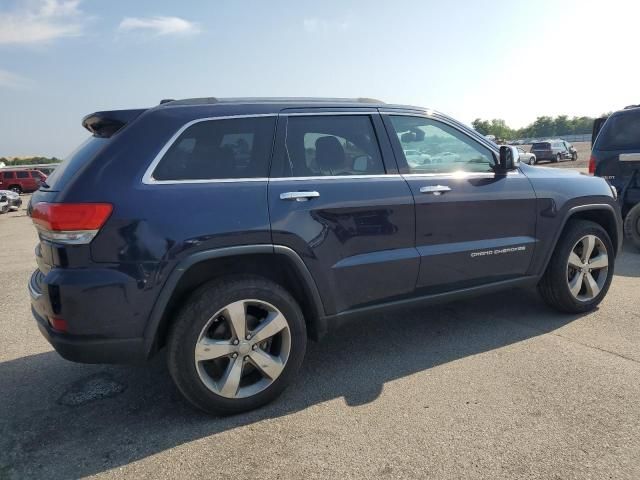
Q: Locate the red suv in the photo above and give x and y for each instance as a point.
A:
(21, 180)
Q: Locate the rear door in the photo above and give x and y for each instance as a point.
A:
(617, 148)
(25, 181)
(336, 198)
(473, 225)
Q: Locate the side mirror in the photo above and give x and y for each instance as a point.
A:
(509, 157)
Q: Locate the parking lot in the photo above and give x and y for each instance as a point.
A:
(495, 387)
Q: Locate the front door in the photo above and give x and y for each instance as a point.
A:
(345, 210)
(473, 225)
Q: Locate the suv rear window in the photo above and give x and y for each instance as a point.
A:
(620, 132)
(72, 164)
(541, 146)
(220, 149)
(8, 175)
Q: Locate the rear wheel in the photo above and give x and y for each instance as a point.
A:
(236, 344)
(632, 225)
(16, 188)
(580, 270)
(558, 158)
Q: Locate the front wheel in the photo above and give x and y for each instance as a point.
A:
(632, 225)
(236, 344)
(580, 270)
(574, 156)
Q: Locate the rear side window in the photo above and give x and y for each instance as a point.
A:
(620, 132)
(328, 145)
(219, 149)
(9, 175)
(22, 174)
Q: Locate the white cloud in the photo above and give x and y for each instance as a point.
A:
(159, 25)
(11, 80)
(48, 20)
(313, 25)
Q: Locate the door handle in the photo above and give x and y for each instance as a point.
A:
(435, 189)
(299, 196)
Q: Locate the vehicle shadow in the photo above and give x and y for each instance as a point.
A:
(52, 425)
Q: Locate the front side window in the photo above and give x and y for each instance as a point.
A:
(433, 147)
(328, 145)
(220, 149)
(23, 174)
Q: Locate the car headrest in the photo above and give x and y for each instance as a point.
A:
(329, 153)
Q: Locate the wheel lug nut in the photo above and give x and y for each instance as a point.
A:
(246, 359)
(235, 355)
(254, 347)
(235, 342)
(248, 337)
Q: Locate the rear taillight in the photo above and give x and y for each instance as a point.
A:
(72, 223)
(592, 165)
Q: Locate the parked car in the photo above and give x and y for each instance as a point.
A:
(162, 236)
(4, 204)
(21, 180)
(526, 157)
(554, 151)
(14, 200)
(615, 155)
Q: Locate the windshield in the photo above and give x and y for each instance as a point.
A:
(620, 132)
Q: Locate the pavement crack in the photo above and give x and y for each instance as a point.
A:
(577, 342)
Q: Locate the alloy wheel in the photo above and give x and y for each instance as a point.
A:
(243, 348)
(587, 268)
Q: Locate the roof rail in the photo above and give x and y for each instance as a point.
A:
(212, 100)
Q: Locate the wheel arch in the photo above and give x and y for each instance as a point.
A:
(275, 262)
(602, 214)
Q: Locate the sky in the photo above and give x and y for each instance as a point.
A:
(63, 59)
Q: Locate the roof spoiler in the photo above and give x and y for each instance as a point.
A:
(105, 124)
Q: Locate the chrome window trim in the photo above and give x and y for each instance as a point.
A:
(315, 114)
(148, 179)
(458, 175)
(336, 177)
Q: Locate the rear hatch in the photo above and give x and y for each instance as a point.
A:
(616, 152)
(65, 229)
(541, 147)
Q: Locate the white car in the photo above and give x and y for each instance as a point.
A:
(527, 157)
(13, 199)
(414, 157)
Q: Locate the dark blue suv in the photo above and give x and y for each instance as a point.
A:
(231, 230)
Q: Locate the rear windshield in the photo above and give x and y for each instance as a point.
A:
(70, 166)
(541, 146)
(620, 132)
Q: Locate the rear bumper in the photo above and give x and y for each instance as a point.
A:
(544, 155)
(80, 348)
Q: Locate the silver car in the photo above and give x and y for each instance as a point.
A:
(527, 157)
(13, 199)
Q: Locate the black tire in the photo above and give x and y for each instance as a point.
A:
(554, 286)
(632, 225)
(574, 156)
(557, 158)
(16, 188)
(194, 315)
